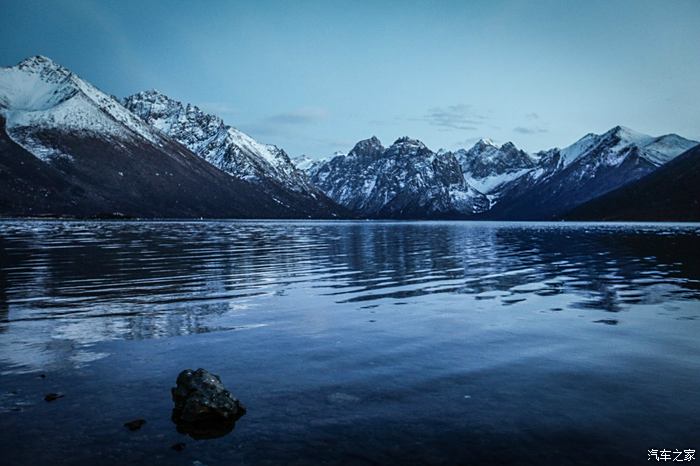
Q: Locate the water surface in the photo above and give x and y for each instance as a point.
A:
(352, 342)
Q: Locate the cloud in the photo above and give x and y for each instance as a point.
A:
(302, 116)
(530, 130)
(285, 124)
(460, 117)
(532, 116)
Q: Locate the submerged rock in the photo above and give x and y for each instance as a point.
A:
(203, 406)
(136, 424)
(53, 396)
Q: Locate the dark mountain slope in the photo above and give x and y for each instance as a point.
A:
(130, 179)
(671, 193)
(29, 186)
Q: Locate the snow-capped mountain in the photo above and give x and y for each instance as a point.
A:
(594, 165)
(221, 145)
(40, 94)
(69, 149)
(613, 145)
(488, 166)
(405, 180)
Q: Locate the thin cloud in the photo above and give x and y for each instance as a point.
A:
(530, 130)
(532, 116)
(454, 117)
(285, 124)
(302, 116)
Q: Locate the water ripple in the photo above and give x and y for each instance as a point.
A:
(155, 279)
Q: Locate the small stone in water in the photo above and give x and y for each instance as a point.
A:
(53, 396)
(178, 446)
(136, 424)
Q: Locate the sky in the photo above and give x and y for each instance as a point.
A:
(314, 77)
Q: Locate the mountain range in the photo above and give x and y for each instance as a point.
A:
(489, 181)
(69, 149)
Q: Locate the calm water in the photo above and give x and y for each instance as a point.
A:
(352, 343)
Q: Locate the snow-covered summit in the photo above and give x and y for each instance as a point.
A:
(485, 143)
(38, 93)
(611, 147)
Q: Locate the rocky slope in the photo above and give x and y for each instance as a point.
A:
(228, 148)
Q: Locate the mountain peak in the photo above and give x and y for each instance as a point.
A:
(38, 61)
(482, 145)
(486, 142)
(371, 147)
(409, 141)
(626, 134)
(42, 65)
(620, 128)
(152, 93)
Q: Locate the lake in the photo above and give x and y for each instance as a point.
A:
(352, 342)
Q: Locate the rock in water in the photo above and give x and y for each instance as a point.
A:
(203, 406)
(53, 396)
(134, 425)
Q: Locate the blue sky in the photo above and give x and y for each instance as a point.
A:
(316, 76)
